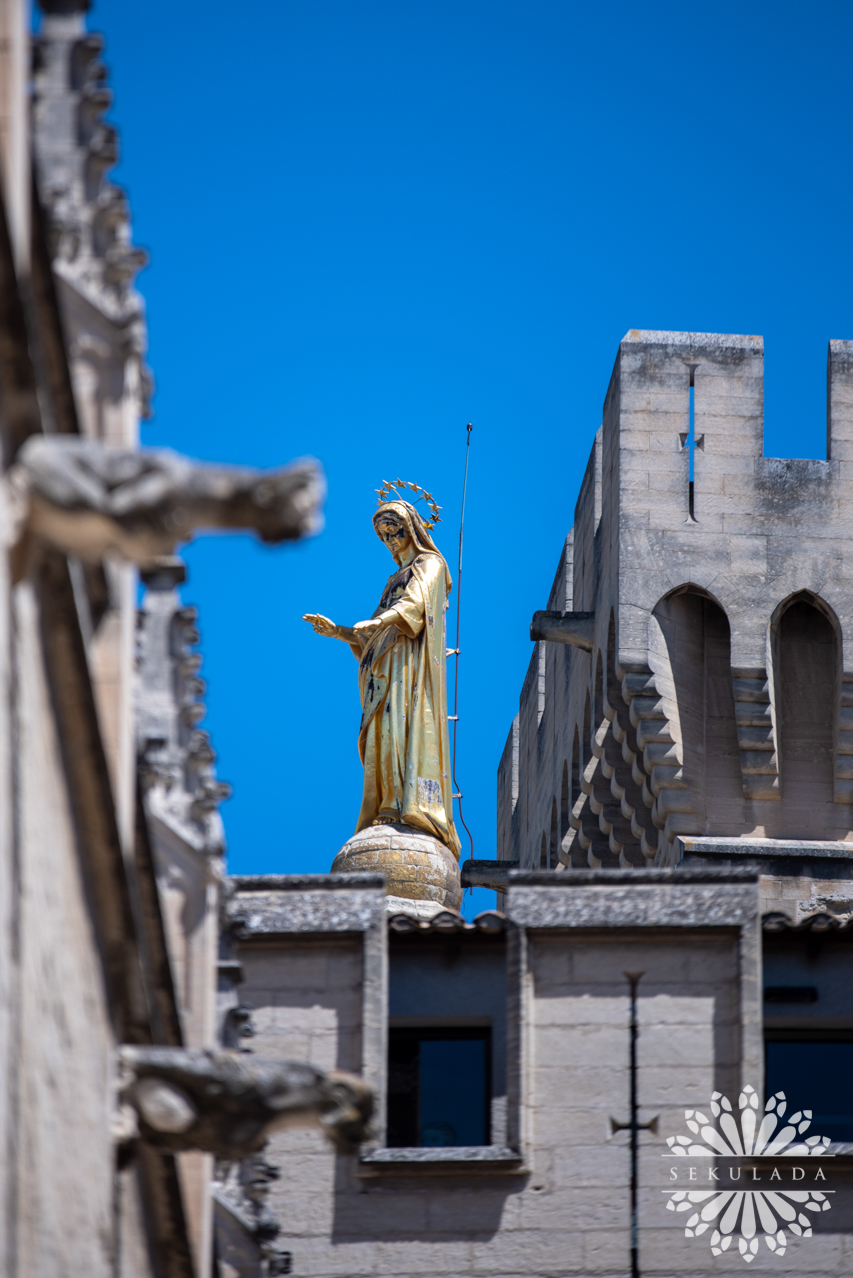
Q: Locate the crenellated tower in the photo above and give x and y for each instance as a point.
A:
(692, 679)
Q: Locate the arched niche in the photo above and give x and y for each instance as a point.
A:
(577, 768)
(565, 802)
(598, 709)
(586, 738)
(693, 676)
(806, 654)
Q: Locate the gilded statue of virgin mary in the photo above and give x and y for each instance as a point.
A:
(403, 739)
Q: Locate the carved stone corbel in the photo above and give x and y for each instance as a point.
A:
(229, 1104)
(574, 628)
(90, 500)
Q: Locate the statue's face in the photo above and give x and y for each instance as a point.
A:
(393, 532)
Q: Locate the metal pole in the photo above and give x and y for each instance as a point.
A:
(457, 791)
(634, 979)
(633, 1126)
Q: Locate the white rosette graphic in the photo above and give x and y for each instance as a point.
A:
(741, 1213)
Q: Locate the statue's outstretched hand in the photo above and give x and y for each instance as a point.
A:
(322, 625)
(367, 629)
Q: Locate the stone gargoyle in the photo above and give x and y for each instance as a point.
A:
(88, 499)
(228, 1103)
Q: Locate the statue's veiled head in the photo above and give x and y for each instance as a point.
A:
(401, 528)
(392, 527)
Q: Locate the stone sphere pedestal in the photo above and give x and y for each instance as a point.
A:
(422, 875)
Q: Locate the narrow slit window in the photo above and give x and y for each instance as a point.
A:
(691, 445)
(691, 441)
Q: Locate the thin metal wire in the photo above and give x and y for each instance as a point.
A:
(456, 787)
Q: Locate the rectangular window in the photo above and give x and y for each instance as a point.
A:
(815, 1073)
(439, 1089)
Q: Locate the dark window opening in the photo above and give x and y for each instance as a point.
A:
(814, 1072)
(439, 1090)
(790, 994)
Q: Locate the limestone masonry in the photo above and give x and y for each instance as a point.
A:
(204, 1076)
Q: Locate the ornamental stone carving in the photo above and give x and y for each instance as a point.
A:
(229, 1104)
(91, 500)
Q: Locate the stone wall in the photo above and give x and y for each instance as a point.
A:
(65, 1039)
(689, 1047)
(559, 1204)
(304, 992)
(305, 1002)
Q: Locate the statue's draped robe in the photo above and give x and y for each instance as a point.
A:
(404, 742)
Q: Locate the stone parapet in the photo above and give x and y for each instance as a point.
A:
(649, 898)
(281, 904)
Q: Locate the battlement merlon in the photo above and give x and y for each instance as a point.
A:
(750, 528)
(839, 402)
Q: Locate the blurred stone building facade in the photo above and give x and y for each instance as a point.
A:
(675, 818)
(111, 846)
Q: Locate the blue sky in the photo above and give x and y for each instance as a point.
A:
(372, 221)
